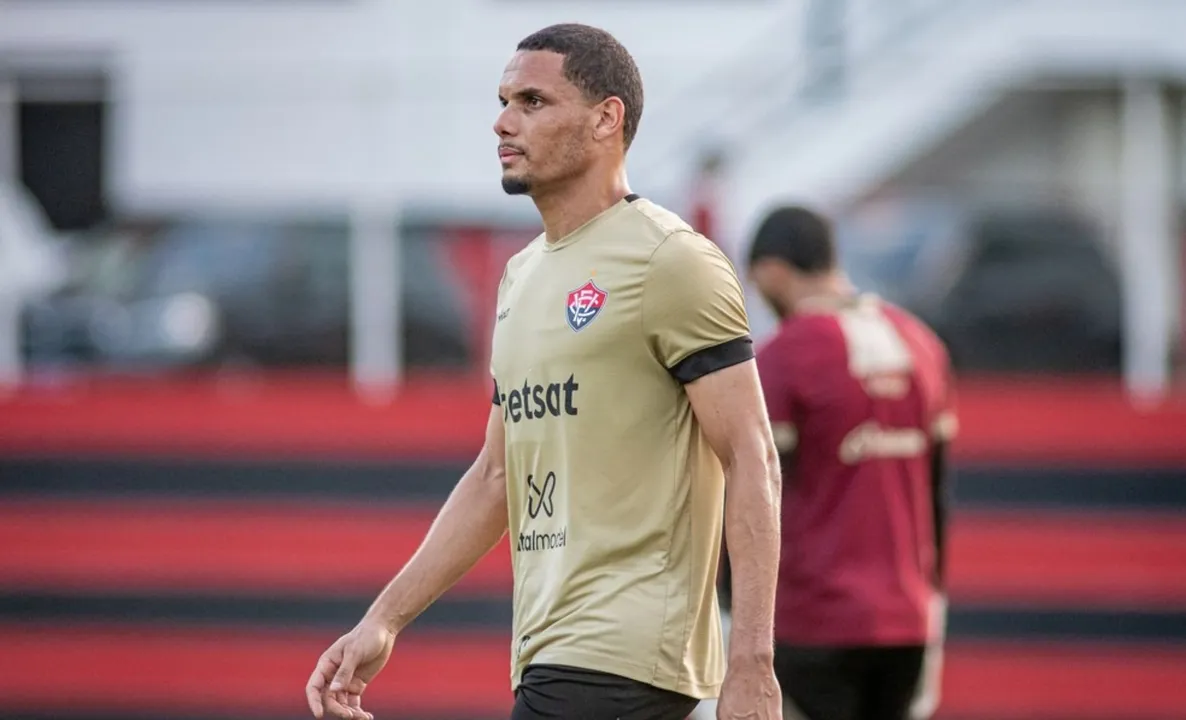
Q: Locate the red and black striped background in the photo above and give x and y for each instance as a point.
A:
(185, 550)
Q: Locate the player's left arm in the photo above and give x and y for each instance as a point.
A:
(728, 404)
(694, 316)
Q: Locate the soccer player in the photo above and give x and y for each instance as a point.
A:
(857, 391)
(626, 399)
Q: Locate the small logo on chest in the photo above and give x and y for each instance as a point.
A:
(584, 305)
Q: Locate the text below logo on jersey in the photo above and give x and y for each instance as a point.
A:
(584, 305)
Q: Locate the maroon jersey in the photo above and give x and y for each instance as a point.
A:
(857, 392)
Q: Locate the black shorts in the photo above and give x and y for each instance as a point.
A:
(868, 683)
(554, 692)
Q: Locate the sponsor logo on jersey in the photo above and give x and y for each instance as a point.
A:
(533, 541)
(541, 505)
(870, 441)
(539, 495)
(534, 401)
(584, 305)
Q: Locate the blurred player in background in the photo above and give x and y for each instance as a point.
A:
(858, 393)
(626, 397)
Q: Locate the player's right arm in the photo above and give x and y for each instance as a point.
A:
(470, 524)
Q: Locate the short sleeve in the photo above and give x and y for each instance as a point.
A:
(779, 393)
(498, 301)
(693, 308)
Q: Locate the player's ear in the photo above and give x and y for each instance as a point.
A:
(611, 115)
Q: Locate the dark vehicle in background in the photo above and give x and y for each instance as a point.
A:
(1009, 289)
(1037, 294)
(206, 293)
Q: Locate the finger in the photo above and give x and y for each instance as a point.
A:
(356, 686)
(354, 698)
(315, 688)
(355, 703)
(336, 704)
(351, 697)
(313, 697)
(344, 678)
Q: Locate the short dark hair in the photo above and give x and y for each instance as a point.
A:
(596, 63)
(798, 236)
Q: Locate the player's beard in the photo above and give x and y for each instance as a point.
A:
(516, 185)
(569, 161)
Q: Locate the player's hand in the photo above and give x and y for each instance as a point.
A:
(750, 692)
(336, 686)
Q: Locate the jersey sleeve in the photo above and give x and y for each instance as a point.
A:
(779, 392)
(693, 308)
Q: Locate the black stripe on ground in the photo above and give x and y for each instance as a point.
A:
(226, 478)
(250, 611)
(1163, 489)
(967, 623)
(998, 623)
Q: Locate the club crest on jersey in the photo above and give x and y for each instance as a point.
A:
(584, 305)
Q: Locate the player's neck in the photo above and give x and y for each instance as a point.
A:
(567, 208)
(826, 290)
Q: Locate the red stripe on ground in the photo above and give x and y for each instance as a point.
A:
(1004, 421)
(1087, 683)
(114, 669)
(270, 417)
(1113, 560)
(218, 546)
(279, 416)
(1100, 560)
(240, 673)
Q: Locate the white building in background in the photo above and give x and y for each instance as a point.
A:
(329, 102)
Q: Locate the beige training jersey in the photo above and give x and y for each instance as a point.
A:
(615, 497)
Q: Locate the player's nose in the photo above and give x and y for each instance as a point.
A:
(504, 124)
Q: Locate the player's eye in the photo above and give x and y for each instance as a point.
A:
(534, 102)
(502, 102)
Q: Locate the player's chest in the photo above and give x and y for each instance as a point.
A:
(567, 312)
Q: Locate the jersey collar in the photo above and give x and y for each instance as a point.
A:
(582, 231)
